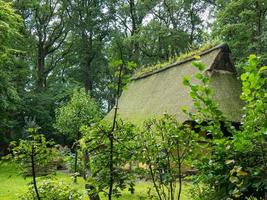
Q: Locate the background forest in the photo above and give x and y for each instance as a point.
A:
(60, 57)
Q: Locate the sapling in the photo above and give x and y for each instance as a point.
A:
(80, 110)
(32, 152)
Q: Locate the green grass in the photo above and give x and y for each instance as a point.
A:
(12, 184)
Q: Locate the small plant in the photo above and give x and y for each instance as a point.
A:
(52, 189)
(34, 151)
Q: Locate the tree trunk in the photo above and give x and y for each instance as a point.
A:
(34, 174)
(86, 164)
(91, 195)
(154, 180)
(41, 67)
(135, 25)
(111, 170)
(179, 171)
(180, 181)
(192, 27)
(88, 84)
(88, 57)
(75, 166)
(259, 27)
(88, 79)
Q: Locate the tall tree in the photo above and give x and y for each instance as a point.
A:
(243, 25)
(130, 16)
(46, 23)
(157, 30)
(10, 26)
(89, 31)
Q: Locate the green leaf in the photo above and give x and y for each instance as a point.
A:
(264, 68)
(228, 162)
(197, 57)
(199, 76)
(116, 63)
(233, 179)
(244, 76)
(186, 81)
(184, 108)
(242, 173)
(199, 65)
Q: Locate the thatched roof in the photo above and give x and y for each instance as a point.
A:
(152, 94)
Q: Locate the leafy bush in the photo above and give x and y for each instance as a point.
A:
(236, 167)
(52, 189)
(167, 146)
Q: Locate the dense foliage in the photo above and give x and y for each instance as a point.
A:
(63, 64)
(235, 166)
(242, 24)
(10, 24)
(51, 47)
(34, 152)
(80, 111)
(69, 44)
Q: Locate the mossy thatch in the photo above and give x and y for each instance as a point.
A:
(162, 91)
(187, 55)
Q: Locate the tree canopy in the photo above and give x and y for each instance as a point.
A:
(81, 110)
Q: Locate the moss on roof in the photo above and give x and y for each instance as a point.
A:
(152, 95)
(189, 54)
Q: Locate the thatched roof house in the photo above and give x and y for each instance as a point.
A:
(152, 94)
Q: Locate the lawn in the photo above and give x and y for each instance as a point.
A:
(12, 184)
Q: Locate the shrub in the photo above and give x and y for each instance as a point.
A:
(167, 147)
(52, 189)
(236, 167)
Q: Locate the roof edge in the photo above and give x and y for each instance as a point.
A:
(224, 46)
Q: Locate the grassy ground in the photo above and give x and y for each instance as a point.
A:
(12, 184)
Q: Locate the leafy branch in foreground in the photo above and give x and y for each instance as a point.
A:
(97, 143)
(235, 166)
(207, 110)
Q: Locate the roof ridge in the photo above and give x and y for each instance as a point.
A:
(223, 46)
